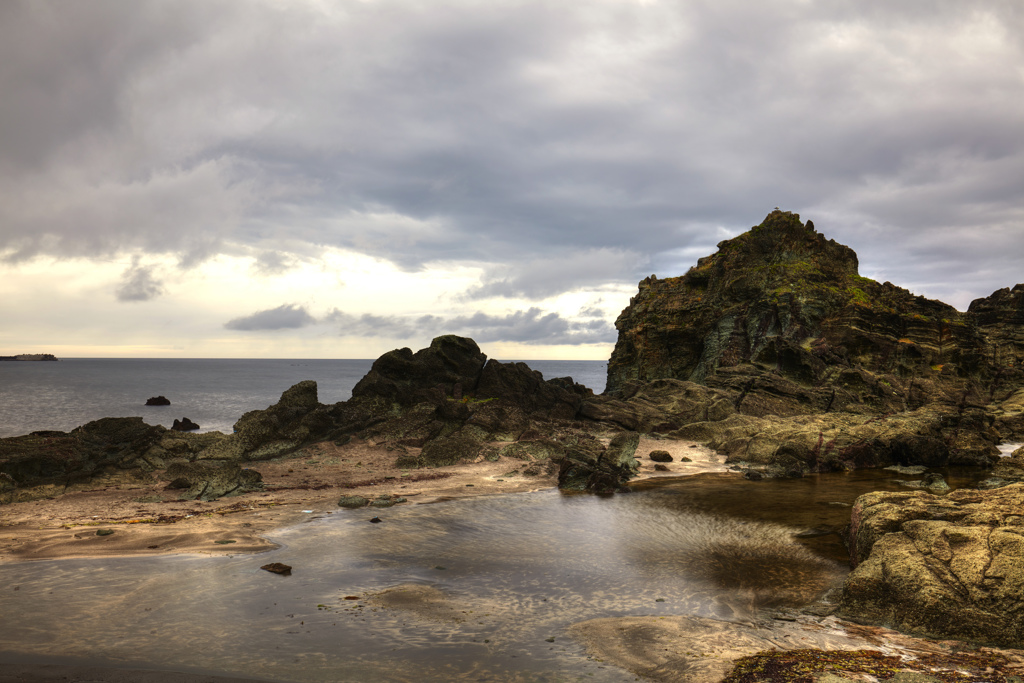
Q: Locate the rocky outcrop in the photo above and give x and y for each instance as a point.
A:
(158, 401)
(805, 366)
(781, 315)
(942, 566)
(449, 367)
(847, 441)
(1000, 321)
(447, 400)
(184, 425)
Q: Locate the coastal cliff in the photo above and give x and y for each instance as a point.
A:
(782, 305)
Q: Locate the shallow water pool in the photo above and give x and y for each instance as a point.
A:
(486, 587)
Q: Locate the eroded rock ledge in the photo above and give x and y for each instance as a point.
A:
(940, 566)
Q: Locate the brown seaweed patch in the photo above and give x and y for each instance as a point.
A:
(800, 666)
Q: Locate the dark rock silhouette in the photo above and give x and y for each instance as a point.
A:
(184, 425)
(158, 401)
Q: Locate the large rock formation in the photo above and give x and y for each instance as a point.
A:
(781, 314)
(942, 566)
(448, 400)
(814, 367)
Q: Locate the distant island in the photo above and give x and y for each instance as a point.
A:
(31, 356)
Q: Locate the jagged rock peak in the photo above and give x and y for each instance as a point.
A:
(781, 302)
(780, 249)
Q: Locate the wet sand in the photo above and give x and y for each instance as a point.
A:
(147, 518)
(19, 668)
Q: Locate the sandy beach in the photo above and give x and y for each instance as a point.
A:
(148, 518)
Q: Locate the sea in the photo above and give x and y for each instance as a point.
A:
(213, 393)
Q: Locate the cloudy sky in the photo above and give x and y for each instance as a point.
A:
(335, 179)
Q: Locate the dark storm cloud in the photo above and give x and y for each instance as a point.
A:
(284, 317)
(512, 134)
(138, 283)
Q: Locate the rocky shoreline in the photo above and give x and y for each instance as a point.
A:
(773, 355)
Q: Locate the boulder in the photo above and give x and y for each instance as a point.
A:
(940, 566)
(660, 456)
(184, 425)
(158, 401)
(450, 365)
(446, 450)
(586, 466)
(516, 384)
(209, 480)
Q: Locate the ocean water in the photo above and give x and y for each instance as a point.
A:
(213, 393)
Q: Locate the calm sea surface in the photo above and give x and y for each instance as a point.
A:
(214, 393)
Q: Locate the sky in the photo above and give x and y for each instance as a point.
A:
(314, 179)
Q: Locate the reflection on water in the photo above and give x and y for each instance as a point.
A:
(502, 578)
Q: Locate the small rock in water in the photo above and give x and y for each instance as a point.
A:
(104, 532)
(277, 568)
(661, 468)
(907, 469)
(224, 542)
(376, 520)
(932, 481)
(685, 459)
(753, 475)
(158, 401)
(353, 502)
(184, 425)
